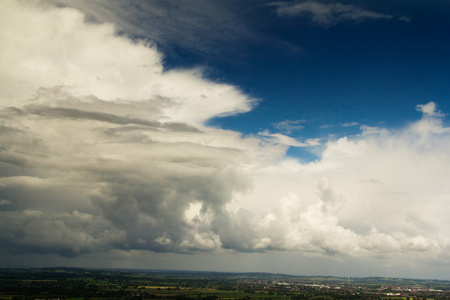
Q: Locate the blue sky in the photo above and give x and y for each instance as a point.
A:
(366, 70)
(299, 137)
(362, 71)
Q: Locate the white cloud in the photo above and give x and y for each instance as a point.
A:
(326, 14)
(92, 124)
(54, 47)
(387, 191)
(429, 109)
(104, 151)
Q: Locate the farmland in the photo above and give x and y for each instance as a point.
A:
(80, 284)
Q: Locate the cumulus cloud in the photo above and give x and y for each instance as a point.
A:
(429, 109)
(90, 60)
(102, 149)
(326, 14)
(379, 194)
(92, 126)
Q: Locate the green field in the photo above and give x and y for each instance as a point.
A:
(80, 284)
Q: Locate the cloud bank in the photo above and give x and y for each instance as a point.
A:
(101, 149)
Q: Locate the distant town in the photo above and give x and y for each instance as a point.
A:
(80, 284)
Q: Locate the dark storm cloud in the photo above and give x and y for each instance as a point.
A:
(87, 171)
(65, 234)
(73, 113)
(141, 197)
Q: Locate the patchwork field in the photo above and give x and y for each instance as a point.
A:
(80, 284)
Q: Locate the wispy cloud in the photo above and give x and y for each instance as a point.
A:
(350, 124)
(326, 14)
(369, 130)
(283, 139)
(212, 29)
(347, 124)
(326, 126)
(194, 25)
(288, 126)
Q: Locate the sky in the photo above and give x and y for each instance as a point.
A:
(296, 137)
